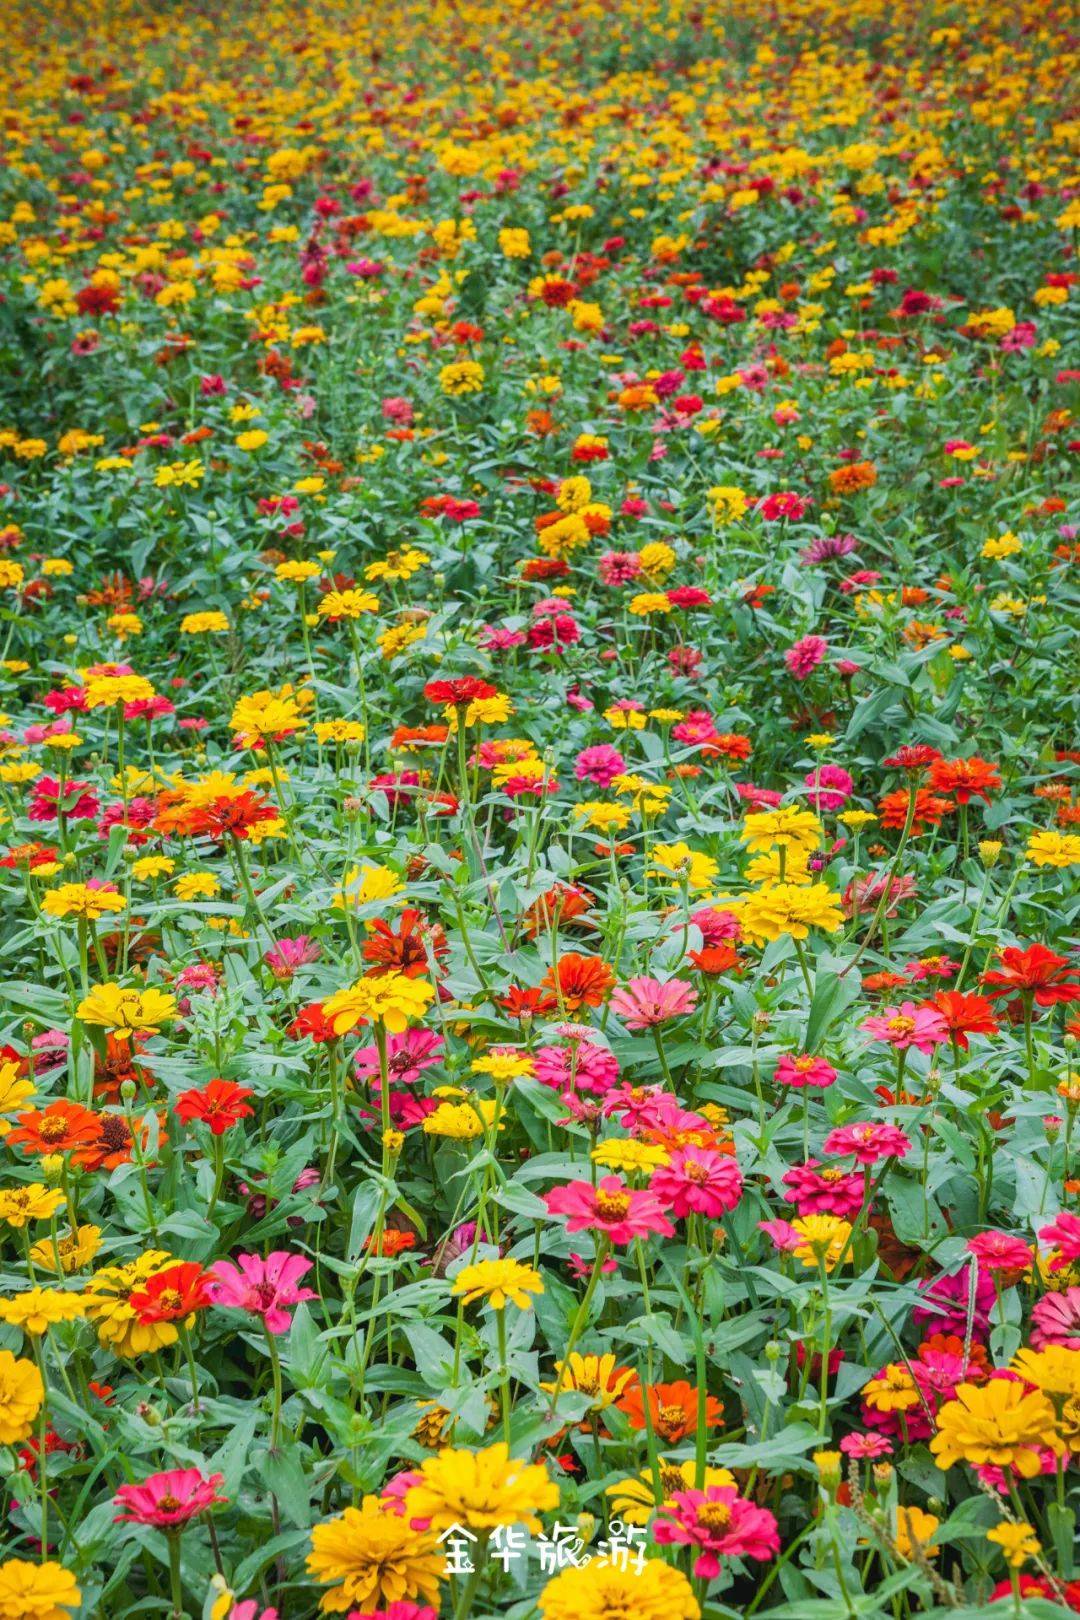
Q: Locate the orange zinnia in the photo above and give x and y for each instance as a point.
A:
(673, 1409)
(855, 476)
(579, 981)
(965, 777)
(55, 1129)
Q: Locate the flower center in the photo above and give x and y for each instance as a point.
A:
(714, 1515)
(695, 1172)
(613, 1206)
(168, 1503)
(51, 1130)
(169, 1299)
(901, 1025)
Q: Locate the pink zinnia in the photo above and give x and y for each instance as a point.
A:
(619, 567)
(868, 1142)
(636, 1105)
(645, 1002)
(866, 1447)
(1056, 1320)
(830, 787)
(908, 1025)
(249, 1610)
(944, 1302)
(403, 1609)
(815, 1189)
(799, 1072)
(715, 926)
(289, 954)
(168, 1500)
(1000, 1251)
(805, 656)
(407, 1056)
(1064, 1234)
(698, 1180)
(717, 1523)
(498, 638)
(612, 1208)
(266, 1288)
(601, 764)
(581, 1066)
(783, 1235)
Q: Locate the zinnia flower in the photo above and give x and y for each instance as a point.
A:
(599, 1590)
(168, 1500)
(36, 1591)
(264, 1287)
(717, 1523)
(998, 1423)
(868, 1143)
(221, 1104)
(673, 1409)
(394, 1000)
(799, 1072)
(908, 1025)
(611, 1208)
(698, 1179)
(481, 1490)
(1055, 1319)
(498, 1282)
(644, 1003)
(21, 1394)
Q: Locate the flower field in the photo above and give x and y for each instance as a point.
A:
(539, 811)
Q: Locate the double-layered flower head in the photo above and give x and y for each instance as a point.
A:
(44, 1591)
(394, 1000)
(603, 1590)
(789, 908)
(126, 1013)
(698, 1180)
(998, 1423)
(481, 1490)
(497, 1283)
(645, 1003)
(21, 1394)
(370, 1557)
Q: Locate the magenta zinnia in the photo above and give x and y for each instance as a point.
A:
(718, 1523)
(266, 1288)
(168, 1500)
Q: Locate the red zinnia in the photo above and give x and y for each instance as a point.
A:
(912, 757)
(1037, 972)
(526, 1003)
(221, 1104)
(405, 951)
(460, 692)
(312, 1022)
(172, 1294)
